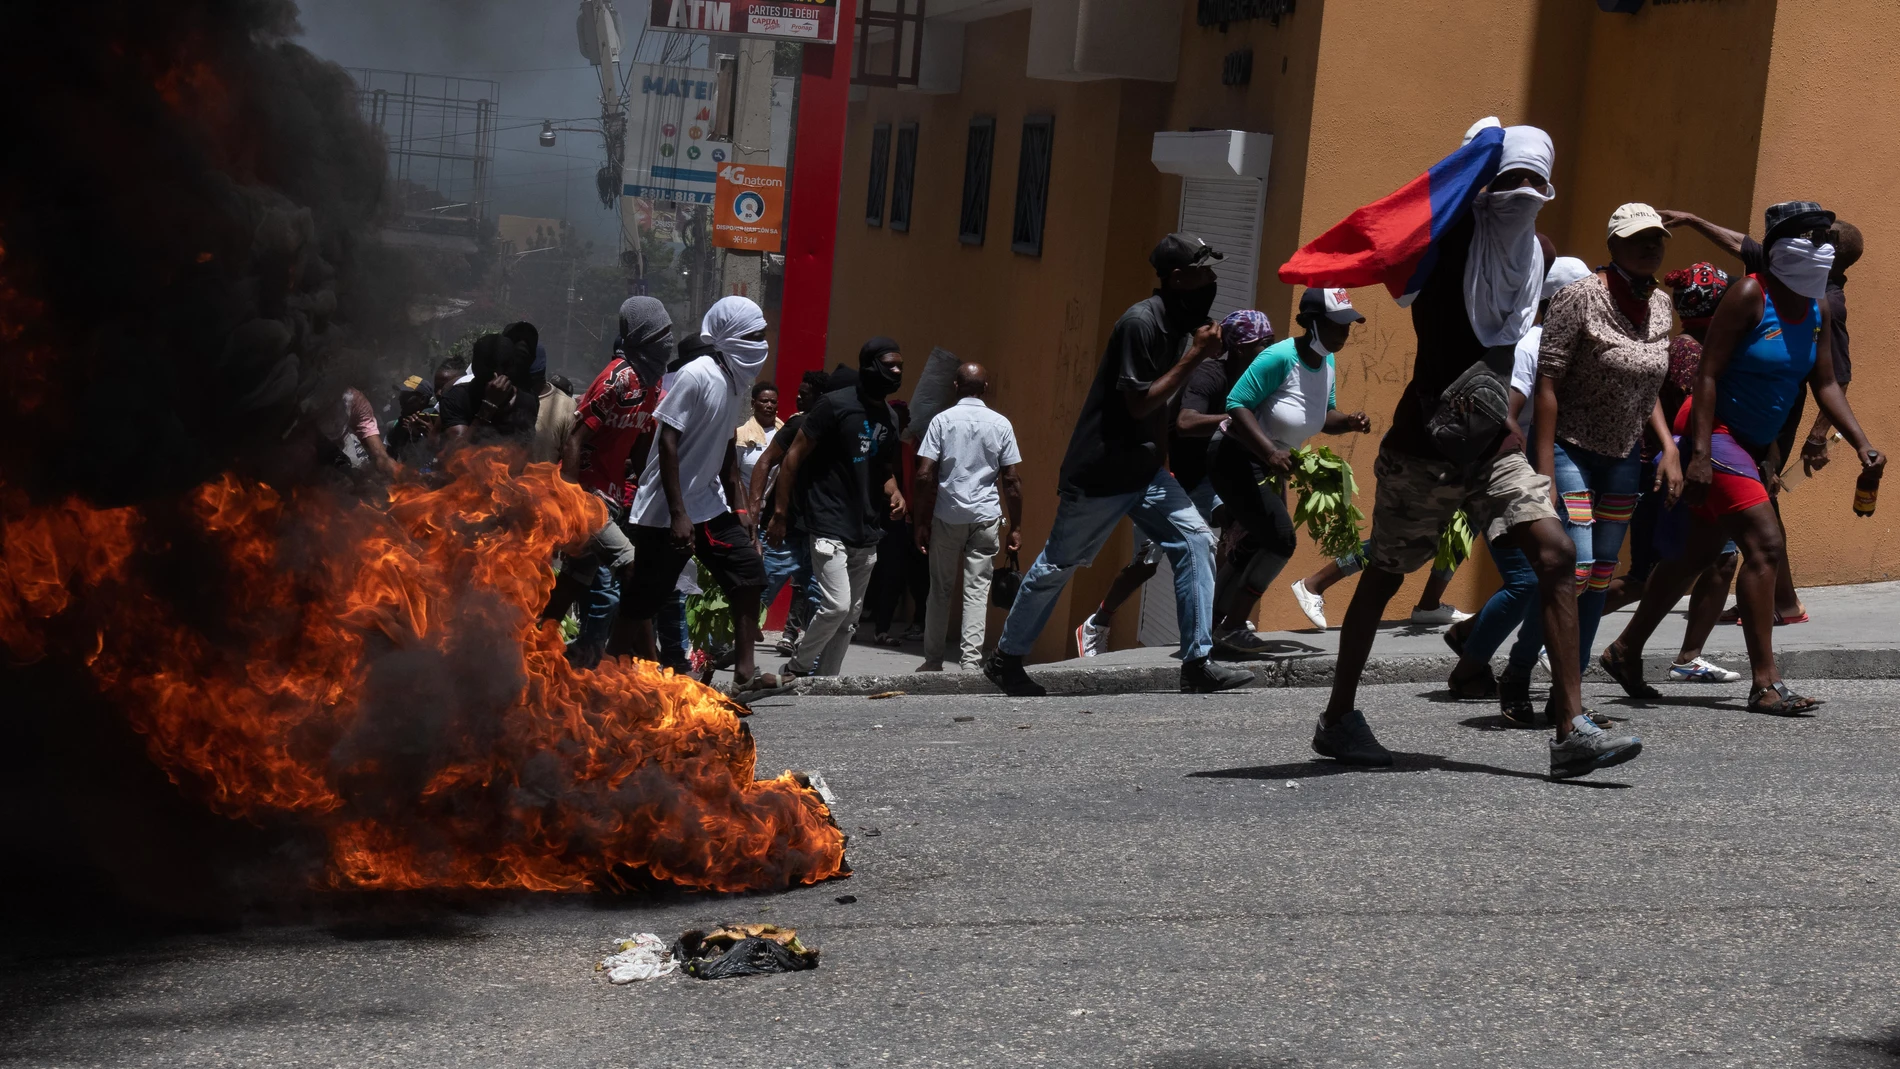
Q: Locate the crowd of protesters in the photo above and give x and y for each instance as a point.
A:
(1553, 412)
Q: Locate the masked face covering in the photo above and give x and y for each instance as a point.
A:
(1802, 266)
(874, 379)
(1187, 309)
(647, 342)
(1504, 276)
(726, 325)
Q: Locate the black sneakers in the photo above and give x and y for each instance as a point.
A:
(1205, 676)
(1007, 673)
(1350, 742)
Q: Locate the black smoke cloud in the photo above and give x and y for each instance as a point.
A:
(183, 218)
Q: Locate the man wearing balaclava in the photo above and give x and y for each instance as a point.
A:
(689, 502)
(840, 478)
(1446, 452)
(1116, 466)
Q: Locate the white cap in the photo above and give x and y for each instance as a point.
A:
(1633, 218)
(1333, 302)
(1563, 271)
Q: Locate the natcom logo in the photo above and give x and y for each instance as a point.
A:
(736, 174)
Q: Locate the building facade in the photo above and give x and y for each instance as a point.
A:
(1277, 123)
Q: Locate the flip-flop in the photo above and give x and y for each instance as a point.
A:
(1632, 685)
(1786, 703)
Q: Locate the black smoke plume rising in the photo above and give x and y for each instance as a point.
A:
(183, 265)
(184, 213)
(341, 692)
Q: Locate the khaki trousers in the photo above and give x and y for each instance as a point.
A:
(962, 556)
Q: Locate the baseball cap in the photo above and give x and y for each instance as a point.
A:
(1333, 302)
(416, 384)
(1182, 250)
(1634, 218)
(1794, 216)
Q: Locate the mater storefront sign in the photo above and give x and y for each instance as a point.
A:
(799, 20)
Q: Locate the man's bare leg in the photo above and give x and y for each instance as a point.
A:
(1356, 635)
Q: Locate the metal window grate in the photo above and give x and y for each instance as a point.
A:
(880, 159)
(904, 177)
(977, 153)
(1032, 184)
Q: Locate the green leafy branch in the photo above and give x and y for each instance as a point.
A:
(1325, 483)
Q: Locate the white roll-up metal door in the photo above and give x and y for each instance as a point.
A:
(1225, 213)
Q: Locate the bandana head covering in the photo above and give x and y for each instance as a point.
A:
(648, 342)
(1802, 265)
(1529, 149)
(726, 325)
(873, 377)
(1504, 275)
(1698, 289)
(1244, 328)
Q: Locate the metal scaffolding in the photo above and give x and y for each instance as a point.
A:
(440, 135)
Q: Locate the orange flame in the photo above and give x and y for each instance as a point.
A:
(342, 622)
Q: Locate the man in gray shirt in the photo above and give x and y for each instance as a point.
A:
(965, 483)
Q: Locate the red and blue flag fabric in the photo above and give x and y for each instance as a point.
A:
(1393, 241)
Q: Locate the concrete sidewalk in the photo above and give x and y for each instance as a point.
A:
(1854, 634)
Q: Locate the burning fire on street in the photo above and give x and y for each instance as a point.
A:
(370, 669)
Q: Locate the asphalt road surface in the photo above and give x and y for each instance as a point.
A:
(1151, 880)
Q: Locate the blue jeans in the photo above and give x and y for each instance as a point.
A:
(1501, 615)
(1163, 512)
(598, 608)
(790, 563)
(1598, 497)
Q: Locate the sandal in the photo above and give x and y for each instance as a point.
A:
(1473, 688)
(1786, 703)
(887, 640)
(762, 685)
(1614, 666)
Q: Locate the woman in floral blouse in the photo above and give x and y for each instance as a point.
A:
(1604, 354)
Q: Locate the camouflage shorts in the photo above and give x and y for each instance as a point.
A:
(1415, 500)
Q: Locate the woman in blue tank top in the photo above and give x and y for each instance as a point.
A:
(1768, 340)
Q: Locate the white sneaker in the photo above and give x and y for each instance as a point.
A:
(1543, 658)
(1091, 639)
(1442, 616)
(1701, 671)
(1313, 605)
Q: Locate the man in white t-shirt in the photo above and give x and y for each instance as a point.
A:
(682, 509)
(965, 483)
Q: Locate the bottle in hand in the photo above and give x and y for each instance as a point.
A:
(1866, 491)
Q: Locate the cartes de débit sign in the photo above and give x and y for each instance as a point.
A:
(810, 20)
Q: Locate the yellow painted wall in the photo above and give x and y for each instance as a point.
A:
(1035, 322)
(1718, 108)
(1832, 107)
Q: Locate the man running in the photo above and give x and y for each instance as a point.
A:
(1115, 467)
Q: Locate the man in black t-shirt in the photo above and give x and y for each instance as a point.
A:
(1115, 467)
(842, 470)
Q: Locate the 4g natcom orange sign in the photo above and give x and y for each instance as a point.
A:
(749, 207)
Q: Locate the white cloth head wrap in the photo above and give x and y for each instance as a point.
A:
(1803, 267)
(1504, 275)
(1527, 148)
(726, 325)
(1563, 271)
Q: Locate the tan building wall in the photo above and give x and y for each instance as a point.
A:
(1673, 106)
(1828, 133)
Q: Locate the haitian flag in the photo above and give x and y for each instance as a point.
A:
(1394, 240)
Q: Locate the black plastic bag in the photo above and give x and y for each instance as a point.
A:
(721, 956)
(1004, 582)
